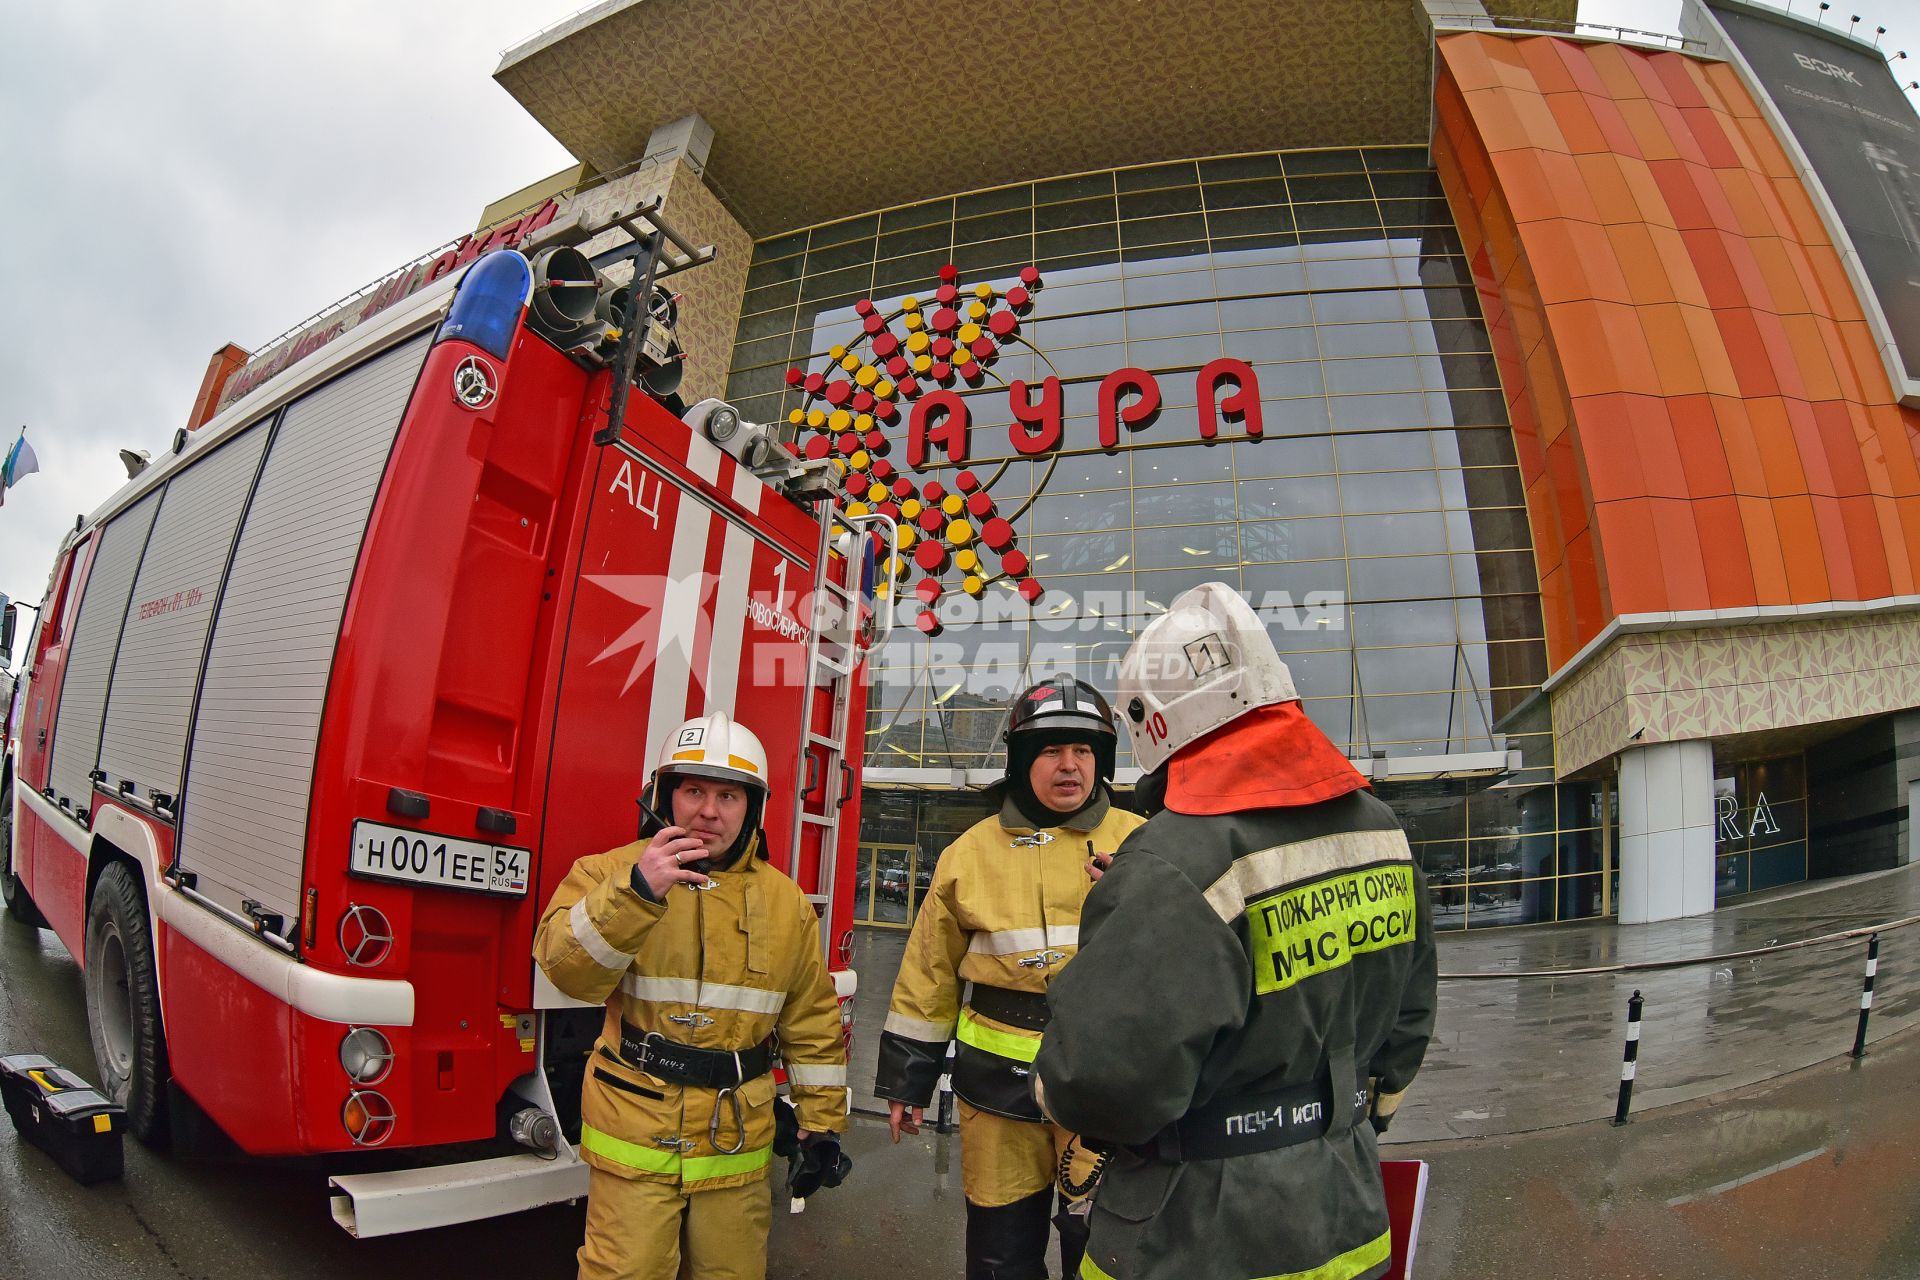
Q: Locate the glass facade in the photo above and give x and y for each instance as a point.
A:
(1378, 523)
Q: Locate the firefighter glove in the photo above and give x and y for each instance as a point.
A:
(818, 1163)
(786, 1129)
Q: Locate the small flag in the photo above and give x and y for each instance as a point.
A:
(21, 462)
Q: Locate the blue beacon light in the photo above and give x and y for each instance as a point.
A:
(486, 308)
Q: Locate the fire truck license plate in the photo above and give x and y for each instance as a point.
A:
(393, 853)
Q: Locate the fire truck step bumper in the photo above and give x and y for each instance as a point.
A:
(384, 1204)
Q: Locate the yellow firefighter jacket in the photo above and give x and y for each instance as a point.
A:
(1003, 911)
(716, 969)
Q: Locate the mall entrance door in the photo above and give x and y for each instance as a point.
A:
(889, 884)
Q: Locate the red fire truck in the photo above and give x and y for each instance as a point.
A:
(320, 708)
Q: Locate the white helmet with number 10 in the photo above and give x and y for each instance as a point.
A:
(1206, 661)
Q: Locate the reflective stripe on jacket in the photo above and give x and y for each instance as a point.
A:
(1240, 955)
(1003, 911)
(717, 969)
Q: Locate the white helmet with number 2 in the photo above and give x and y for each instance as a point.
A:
(715, 747)
(1206, 661)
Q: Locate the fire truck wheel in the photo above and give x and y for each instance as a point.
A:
(12, 892)
(123, 1004)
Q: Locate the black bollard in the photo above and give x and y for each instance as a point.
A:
(1866, 996)
(1626, 1066)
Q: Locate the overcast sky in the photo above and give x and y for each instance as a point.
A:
(175, 177)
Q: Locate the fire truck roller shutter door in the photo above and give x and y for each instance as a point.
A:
(96, 635)
(245, 815)
(145, 740)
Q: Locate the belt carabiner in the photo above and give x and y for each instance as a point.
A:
(728, 1095)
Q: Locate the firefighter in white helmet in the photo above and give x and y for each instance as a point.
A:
(1304, 990)
(707, 959)
(1003, 912)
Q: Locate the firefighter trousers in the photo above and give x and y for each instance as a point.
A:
(639, 1229)
(1009, 1169)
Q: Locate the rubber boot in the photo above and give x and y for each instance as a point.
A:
(1009, 1242)
(1074, 1229)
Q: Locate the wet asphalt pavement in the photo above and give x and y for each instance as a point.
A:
(1811, 1174)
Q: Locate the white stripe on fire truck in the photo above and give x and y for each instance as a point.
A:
(698, 698)
(706, 995)
(1006, 942)
(672, 661)
(603, 952)
(730, 602)
(802, 1075)
(915, 1029)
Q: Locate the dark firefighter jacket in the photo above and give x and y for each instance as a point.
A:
(1004, 911)
(1226, 957)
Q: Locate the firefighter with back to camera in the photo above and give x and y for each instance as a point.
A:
(1003, 912)
(707, 959)
(1256, 982)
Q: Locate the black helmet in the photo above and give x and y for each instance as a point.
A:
(1061, 709)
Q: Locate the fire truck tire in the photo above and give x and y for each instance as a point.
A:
(123, 1004)
(12, 892)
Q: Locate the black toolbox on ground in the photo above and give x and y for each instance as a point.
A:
(64, 1116)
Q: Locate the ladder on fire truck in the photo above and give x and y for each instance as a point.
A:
(841, 637)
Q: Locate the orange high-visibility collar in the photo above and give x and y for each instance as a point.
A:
(1272, 757)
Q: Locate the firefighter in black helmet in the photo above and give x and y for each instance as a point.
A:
(1003, 912)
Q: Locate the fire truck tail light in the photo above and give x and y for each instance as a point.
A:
(367, 1117)
(486, 309)
(366, 1055)
(366, 936)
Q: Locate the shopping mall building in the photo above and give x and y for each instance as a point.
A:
(1553, 392)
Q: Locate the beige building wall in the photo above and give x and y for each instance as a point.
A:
(711, 294)
(1713, 682)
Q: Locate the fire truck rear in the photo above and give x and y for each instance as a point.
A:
(321, 708)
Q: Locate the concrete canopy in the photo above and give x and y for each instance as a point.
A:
(826, 108)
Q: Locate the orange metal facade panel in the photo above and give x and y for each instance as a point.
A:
(1607, 187)
(1610, 64)
(1777, 268)
(1723, 548)
(1545, 69)
(1765, 556)
(1810, 446)
(1613, 126)
(1577, 125)
(1701, 418)
(1740, 445)
(1886, 514)
(1872, 576)
(1683, 563)
(1649, 131)
(1810, 360)
(1703, 457)
(1671, 342)
(1836, 556)
(1531, 193)
(1680, 75)
(1609, 447)
(1801, 545)
(1592, 606)
(1845, 462)
(1719, 281)
(1628, 534)
(1716, 369)
(1779, 451)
